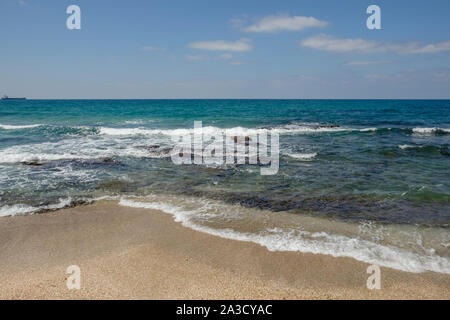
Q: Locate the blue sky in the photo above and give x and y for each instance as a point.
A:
(225, 49)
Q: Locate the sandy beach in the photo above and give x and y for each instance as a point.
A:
(222, 150)
(132, 253)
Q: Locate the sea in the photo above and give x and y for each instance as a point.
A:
(366, 179)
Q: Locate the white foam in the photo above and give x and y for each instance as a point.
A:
(106, 198)
(408, 146)
(41, 157)
(429, 130)
(306, 129)
(368, 129)
(18, 127)
(21, 209)
(17, 209)
(278, 239)
(303, 156)
(71, 149)
(235, 131)
(134, 121)
(125, 131)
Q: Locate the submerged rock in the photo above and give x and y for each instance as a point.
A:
(31, 163)
(149, 148)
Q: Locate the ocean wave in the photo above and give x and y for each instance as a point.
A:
(287, 129)
(290, 129)
(234, 131)
(368, 129)
(139, 121)
(85, 148)
(302, 156)
(22, 209)
(207, 130)
(289, 239)
(18, 127)
(304, 128)
(431, 130)
(53, 130)
(426, 149)
(406, 130)
(37, 158)
(28, 157)
(68, 130)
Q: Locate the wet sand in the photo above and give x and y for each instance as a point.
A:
(132, 253)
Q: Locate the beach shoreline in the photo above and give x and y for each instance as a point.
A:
(137, 253)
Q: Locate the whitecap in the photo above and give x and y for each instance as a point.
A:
(429, 130)
(18, 127)
(302, 156)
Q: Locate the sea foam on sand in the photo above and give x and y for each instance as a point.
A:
(285, 239)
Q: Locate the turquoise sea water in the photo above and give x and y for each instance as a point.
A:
(374, 171)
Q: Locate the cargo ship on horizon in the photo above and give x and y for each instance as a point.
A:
(5, 97)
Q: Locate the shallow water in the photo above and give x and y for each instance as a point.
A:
(377, 169)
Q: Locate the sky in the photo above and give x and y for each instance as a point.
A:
(138, 49)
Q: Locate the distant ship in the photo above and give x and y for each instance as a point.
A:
(5, 97)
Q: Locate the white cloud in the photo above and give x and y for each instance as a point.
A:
(271, 24)
(332, 44)
(433, 48)
(366, 63)
(329, 43)
(221, 45)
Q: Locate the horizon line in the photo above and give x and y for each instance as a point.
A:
(293, 99)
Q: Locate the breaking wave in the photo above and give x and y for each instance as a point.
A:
(302, 156)
(286, 129)
(22, 209)
(18, 127)
(294, 239)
